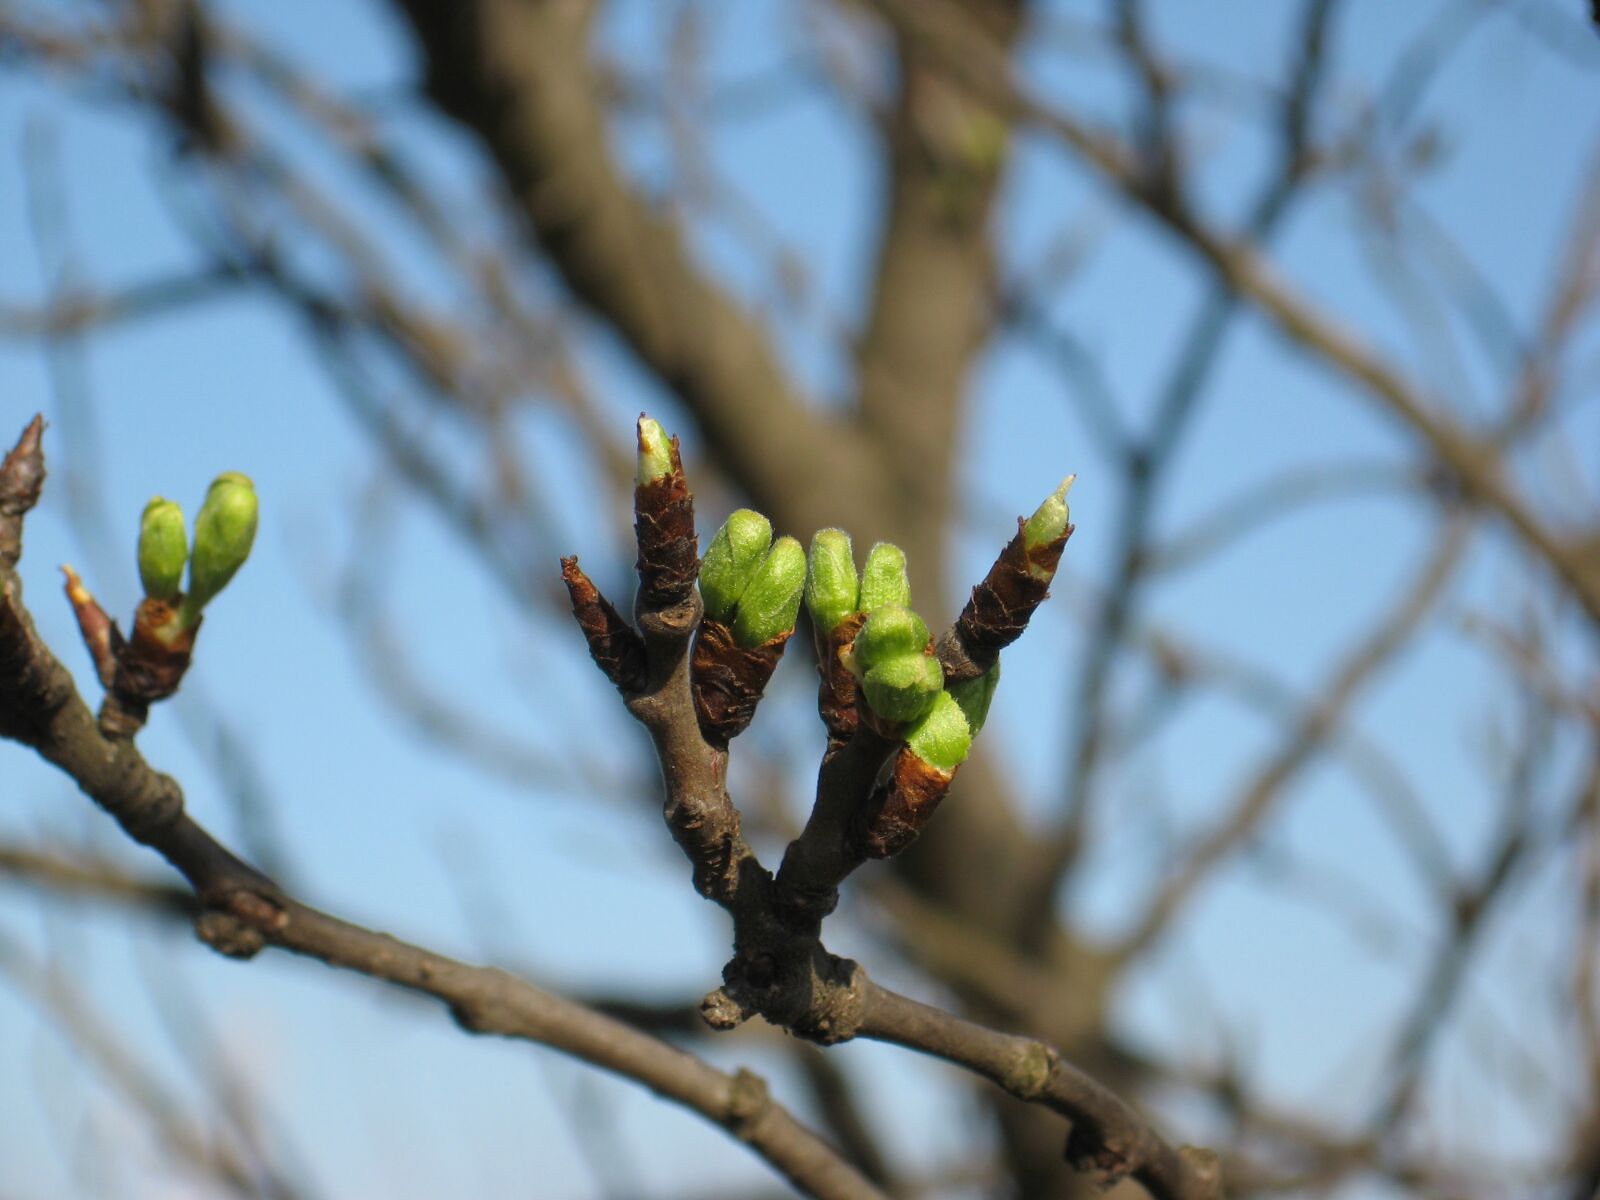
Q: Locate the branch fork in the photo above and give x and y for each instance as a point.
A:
(687, 676)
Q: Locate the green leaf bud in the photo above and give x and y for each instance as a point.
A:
(771, 603)
(975, 695)
(732, 561)
(1049, 521)
(223, 534)
(884, 581)
(163, 549)
(831, 584)
(655, 451)
(903, 688)
(889, 632)
(941, 736)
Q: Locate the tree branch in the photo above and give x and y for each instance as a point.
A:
(245, 912)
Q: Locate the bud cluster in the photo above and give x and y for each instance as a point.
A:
(150, 664)
(922, 702)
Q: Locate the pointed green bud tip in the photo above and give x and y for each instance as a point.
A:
(163, 549)
(975, 695)
(831, 584)
(655, 451)
(884, 579)
(223, 534)
(904, 687)
(941, 737)
(889, 632)
(771, 603)
(1049, 520)
(732, 560)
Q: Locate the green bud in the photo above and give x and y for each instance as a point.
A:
(975, 695)
(889, 632)
(903, 688)
(769, 606)
(884, 580)
(732, 561)
(655, 451)
(831, 585)
(1049, 521)
(941, 737)
(223, 534)
(163, 549)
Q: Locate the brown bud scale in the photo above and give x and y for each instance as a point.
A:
(669, 552)
(836, 694)
(1001, 606)
(150, 666)
(615, 646)
(900, 809)
(728, 680)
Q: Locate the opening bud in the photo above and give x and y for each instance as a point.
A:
(884, 579)
(904, 687)
(1049, 521)
(655, 451)
(975, 695)
(769, 606)
(941, 737)
(223, 534)
(831, 584)
(889, 632)
(163, 549)
(732, 560)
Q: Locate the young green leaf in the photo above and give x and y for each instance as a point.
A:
(904, 687)
(655, 451)
(163, 549)
(884, 580)
(771, 602)
(941, 736)
(1048, 522)
(223, 534)
(975, 695)
(889, 632)
(831, 585)
(732, 560)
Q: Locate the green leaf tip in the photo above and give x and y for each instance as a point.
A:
(941, 737)
(889, 632)
(769, 606)
(224, 531)
(732, 560)
(831, 584)
(884, 579)
(163, 549)
(904, 687)
(1049, 520)
(655, 451)
(975, 695)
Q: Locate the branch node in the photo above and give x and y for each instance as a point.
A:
(229, 934)
(748, 1102)
(722, 1012)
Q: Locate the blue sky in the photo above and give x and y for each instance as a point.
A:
(380, 1095)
